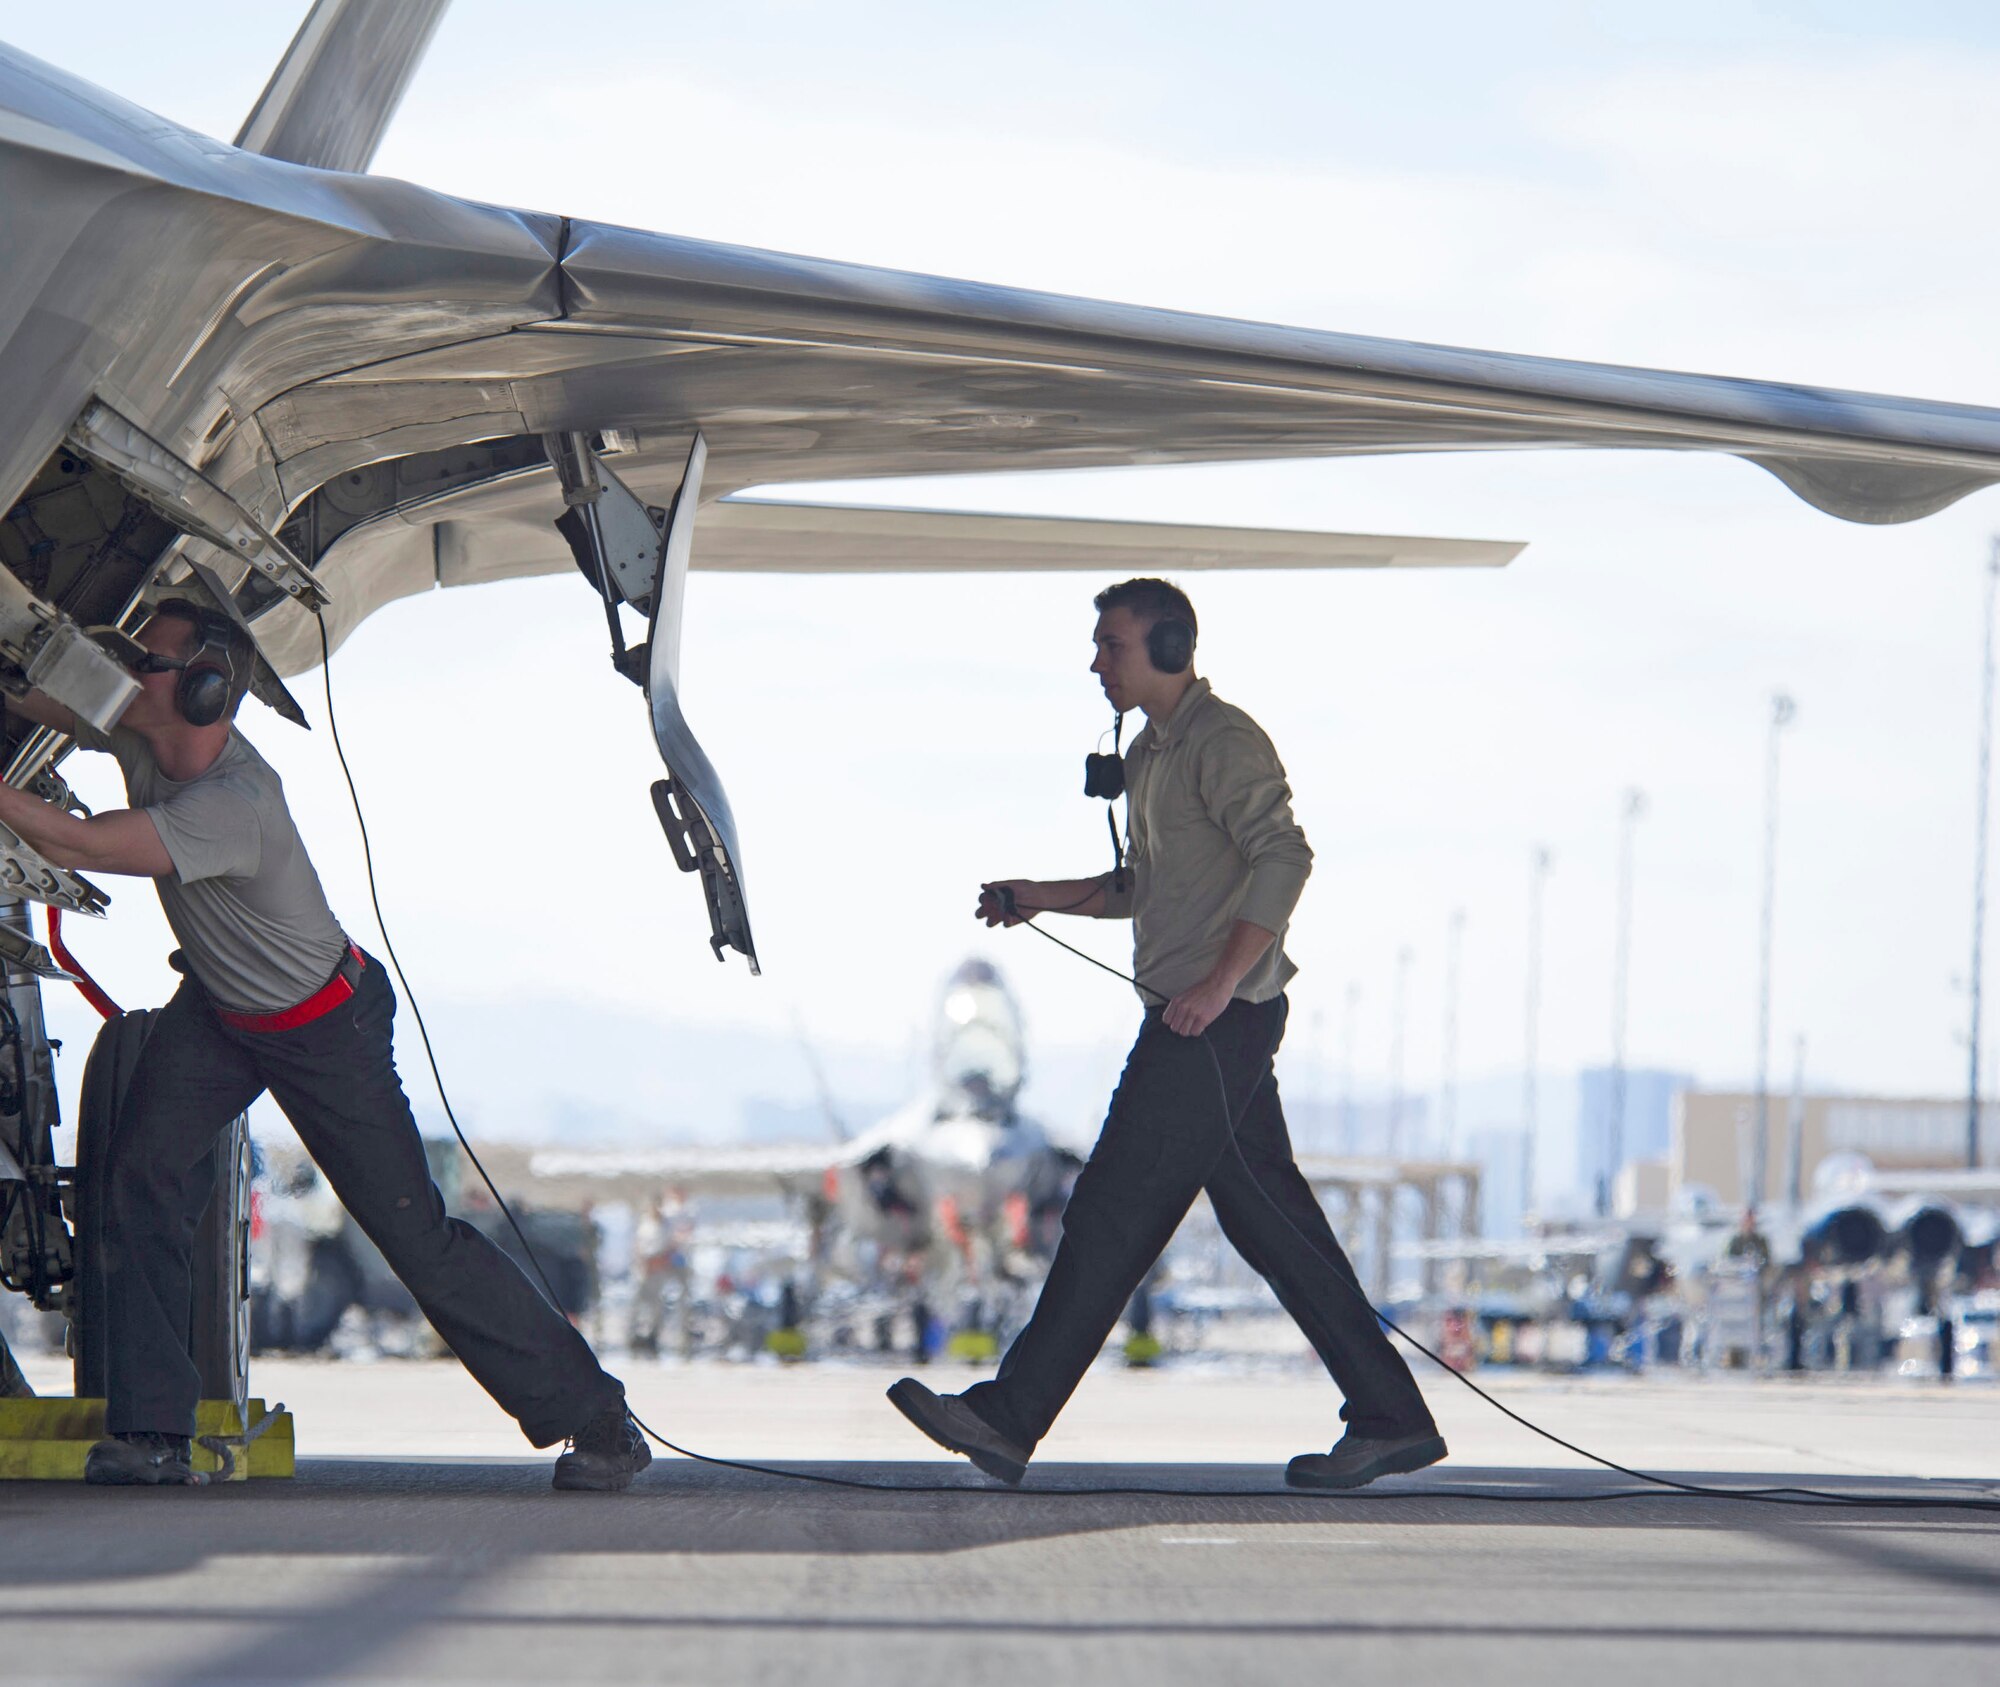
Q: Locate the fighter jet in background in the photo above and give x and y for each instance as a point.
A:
(952, 1202)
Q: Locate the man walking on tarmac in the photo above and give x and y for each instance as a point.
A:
(1217, 864)
(274, 997)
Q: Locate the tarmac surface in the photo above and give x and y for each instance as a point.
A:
(420, 1542)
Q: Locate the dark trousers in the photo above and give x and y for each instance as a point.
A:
(1164, 1139)
(336, 1080)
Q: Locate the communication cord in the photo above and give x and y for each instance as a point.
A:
(1658, 1486)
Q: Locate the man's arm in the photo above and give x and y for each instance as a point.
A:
(1242, 787)
(43, 711)
(1040, 896)
(1193, 1011)
(123, 840)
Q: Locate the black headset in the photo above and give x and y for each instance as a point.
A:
(207, 684)
(1170, 644)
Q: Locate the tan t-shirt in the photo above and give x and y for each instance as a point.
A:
(243, 899)
(1213, 842)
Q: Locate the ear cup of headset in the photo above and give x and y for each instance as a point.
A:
(1170, 643)
(202, 696)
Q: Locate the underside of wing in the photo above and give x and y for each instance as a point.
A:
(502, 529)
(755, 535)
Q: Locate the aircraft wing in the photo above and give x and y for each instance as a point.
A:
(300, 334)
(794, 369)
(905, 374)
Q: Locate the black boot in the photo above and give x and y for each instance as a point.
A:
(1356, 1460)
(140, 1460)
(604, 1455)
(949, 1421)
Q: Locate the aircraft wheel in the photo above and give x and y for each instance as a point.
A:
(219, 1328)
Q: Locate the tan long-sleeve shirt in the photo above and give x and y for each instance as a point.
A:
(1213, 842)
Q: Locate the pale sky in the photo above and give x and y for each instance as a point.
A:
(1730, 188)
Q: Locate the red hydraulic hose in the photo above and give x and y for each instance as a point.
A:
(105, 1006)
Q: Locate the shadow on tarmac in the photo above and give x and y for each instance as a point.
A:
(357, 1507)
(411, 1546)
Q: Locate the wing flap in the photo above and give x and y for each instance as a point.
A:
(750, 535)
(501, 530)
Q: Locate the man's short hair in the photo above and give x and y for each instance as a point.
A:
(1150, 600)
(210, 623)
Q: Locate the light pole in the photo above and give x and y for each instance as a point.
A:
(1795, 1129)
(1783, 710)
(1396, 1052)
(1448, 1088)
(1621, 972)
(1538, 875)
(1979, 861)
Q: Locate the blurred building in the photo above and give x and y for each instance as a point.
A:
(1713, 1137)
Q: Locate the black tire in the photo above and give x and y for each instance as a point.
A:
(219, 1318)
(113, 1056)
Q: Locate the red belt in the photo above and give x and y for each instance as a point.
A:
(325, 999)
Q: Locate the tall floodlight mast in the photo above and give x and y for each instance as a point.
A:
(1403, 957)
(1448, 1088)
(1621, 977)
(1783, 709)
(1795, 1129)
(1979, 862)
(1538, 874)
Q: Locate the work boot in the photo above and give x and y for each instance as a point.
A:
(1357, 1460)
(949, 1421)
(604, 1455)
(140, 1459)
